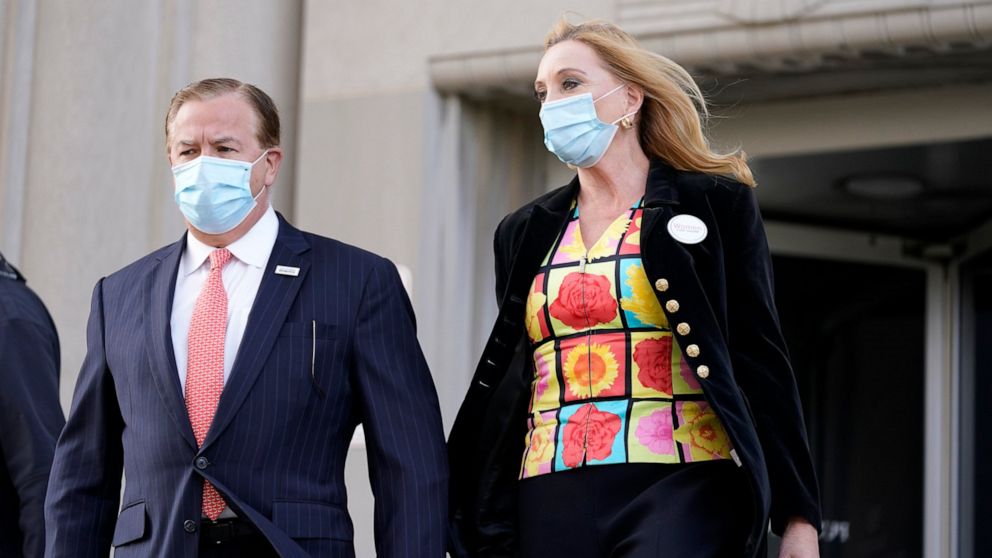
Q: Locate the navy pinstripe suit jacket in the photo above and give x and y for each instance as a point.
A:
(323, 351)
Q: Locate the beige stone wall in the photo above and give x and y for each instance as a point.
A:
(362, 48)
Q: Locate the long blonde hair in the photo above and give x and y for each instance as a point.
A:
(670, 122)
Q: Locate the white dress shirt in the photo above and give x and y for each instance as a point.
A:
(242, 276)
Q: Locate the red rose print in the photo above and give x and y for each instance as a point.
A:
(654, 359)
(603, 429)
(584, 300)
(599, 435)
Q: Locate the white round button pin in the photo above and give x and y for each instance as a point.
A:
(687, 229)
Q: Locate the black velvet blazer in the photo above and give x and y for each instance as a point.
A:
(722, 288)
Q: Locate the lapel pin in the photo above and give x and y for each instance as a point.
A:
(287, 270)
(687, 229)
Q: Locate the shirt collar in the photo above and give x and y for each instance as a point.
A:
(253, 248)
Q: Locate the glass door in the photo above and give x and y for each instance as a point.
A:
(975, 439)
(857, 336)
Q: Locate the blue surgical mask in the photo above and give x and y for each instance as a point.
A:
(574, 132)
(215, 194)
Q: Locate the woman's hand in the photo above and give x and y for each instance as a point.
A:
(799, 540)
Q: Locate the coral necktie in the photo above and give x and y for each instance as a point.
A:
(205, 364)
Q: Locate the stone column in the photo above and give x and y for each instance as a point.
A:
(17, 30)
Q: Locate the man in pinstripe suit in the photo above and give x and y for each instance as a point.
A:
(225, 375)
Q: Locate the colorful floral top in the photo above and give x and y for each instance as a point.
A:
(610, 384)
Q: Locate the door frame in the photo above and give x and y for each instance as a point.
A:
(973, 245)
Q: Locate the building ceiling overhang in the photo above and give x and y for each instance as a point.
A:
(875, 43)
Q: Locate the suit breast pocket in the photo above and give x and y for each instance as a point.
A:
(308, 353)
(312, 329)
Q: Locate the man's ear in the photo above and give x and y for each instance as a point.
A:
(273, 161)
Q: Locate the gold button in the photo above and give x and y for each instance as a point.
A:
(703, 371)
(661, 285)
(672, 306)
(683, 328)
(692, 350)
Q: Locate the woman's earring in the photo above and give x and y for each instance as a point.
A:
(626, 123)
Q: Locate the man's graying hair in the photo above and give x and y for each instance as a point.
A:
(267, 131)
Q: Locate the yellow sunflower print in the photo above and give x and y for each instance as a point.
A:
(590, 369)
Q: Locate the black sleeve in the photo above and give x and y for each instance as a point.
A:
(501, 265)
(762, 368)
(30, 420)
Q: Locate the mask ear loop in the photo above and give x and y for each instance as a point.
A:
(610, 92)
(260, 190)
(264, 153)
(264, 186)
(624, 120)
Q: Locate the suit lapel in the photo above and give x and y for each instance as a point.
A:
(660, 196)
(275, 296)
(662, 254)
(540, 231)
(158, 337)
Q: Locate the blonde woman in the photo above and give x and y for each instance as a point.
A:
(635, 397)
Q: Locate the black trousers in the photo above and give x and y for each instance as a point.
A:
(233, 539)
(636, 510)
